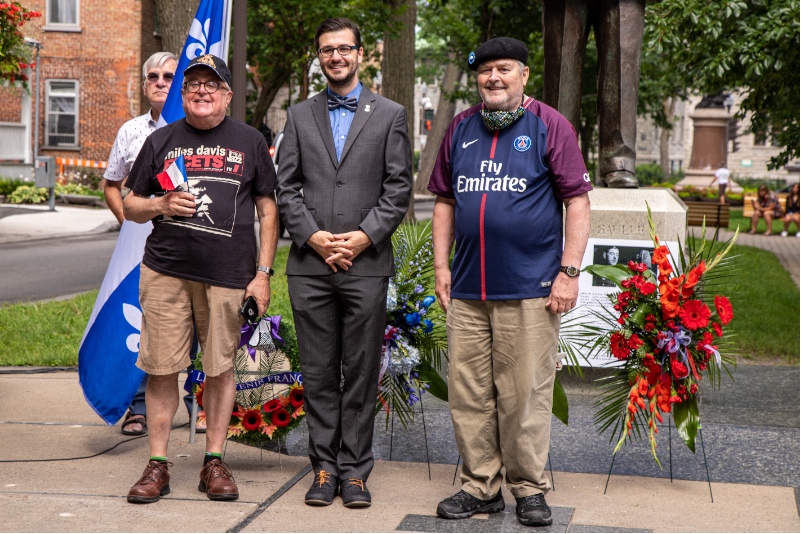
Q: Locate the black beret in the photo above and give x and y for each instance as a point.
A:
(498, 48)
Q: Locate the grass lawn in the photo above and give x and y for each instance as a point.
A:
(765, 299)
(766, 308)
(736, 220)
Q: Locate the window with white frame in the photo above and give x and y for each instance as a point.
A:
(61, 129)
(63, 15)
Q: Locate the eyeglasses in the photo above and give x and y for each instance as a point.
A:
(153, 77)
(343, 50)
(211, 86)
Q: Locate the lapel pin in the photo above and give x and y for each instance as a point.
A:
(367, 108)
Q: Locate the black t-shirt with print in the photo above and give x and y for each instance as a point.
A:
(226, 167)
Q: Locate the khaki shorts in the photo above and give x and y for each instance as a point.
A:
(169, 306)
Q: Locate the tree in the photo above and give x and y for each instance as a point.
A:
(175, 18)
(397, 70)
(735, 45)
(14, 53)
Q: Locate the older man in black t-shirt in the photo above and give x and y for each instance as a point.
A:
(200, 262)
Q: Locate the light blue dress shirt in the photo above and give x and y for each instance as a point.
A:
(341, 119)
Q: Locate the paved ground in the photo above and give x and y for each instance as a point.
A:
(64, 470)
(751, 442)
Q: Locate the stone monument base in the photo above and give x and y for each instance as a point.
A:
(622, 214)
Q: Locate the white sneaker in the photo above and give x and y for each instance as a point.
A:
(784, 233)
(798, 234)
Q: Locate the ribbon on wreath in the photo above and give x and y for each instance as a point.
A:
(287, 377)
(261, 335)
(674, 342)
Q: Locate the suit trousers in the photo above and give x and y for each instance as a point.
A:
(502, 362)
(340, 321)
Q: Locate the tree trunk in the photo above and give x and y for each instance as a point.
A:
(397, 70)
(175, 18)
(270, 86)
(442, 119)
(669, 105)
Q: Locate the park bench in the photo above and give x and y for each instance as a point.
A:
(749, 198)
(716, 214)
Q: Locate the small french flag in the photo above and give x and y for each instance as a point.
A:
(175, 176)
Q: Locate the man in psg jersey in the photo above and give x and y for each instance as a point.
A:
(504, 171)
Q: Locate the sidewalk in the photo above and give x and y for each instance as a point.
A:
(750, 434)
(26, 223)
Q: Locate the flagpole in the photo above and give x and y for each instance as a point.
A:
(239, 66)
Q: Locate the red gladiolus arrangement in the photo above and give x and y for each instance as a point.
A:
(665, 334)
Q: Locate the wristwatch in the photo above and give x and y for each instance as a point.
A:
(569, 270)
(268, 270)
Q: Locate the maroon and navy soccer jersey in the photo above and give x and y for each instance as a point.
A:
(508, 187)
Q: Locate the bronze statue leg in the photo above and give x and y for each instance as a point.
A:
(565, 30)
(618, 32)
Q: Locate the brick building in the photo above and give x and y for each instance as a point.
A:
(90, 78)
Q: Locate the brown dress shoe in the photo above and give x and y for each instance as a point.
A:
(217, 482)
(154, 483)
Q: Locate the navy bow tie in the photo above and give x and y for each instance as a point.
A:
(336, 101)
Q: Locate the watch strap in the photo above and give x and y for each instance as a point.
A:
(265, 269)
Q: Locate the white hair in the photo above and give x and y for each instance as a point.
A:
(156, 61)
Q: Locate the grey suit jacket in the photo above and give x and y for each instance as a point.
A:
(368, 189)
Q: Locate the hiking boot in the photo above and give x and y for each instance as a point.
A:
(354, 493)
(533, 511)
(463, 505)
(217, 481)
(323, 489)
(154, 483)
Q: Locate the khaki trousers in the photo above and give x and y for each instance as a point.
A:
(502, 361)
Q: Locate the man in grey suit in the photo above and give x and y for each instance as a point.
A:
(343, 188)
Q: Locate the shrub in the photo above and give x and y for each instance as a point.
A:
(649, 173)
(89, 178)
(28, 194)
(752, 184)
(8, 185)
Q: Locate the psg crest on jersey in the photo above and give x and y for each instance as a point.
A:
(522, 143)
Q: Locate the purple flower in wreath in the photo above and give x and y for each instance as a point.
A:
(413, 318)
(418, 289)
(428, 326)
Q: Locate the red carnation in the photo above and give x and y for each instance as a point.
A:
(251, 420)
(718, 329)
(724, 309)
(272, 406)
(693, 389)
(281, 418)
(695, 314)
(649, 326)
(618, 345)
(647, 288)
(678, 369)
(635, 342)
(706, 339)
(296, 397)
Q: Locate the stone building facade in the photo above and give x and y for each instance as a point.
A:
(747, 157)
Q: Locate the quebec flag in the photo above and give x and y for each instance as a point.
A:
(110, 345)
(207, 35)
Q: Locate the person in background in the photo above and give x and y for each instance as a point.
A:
(722, 176)
(791, 214)
(766, 206)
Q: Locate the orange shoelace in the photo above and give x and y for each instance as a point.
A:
(357, 482)
(323, 476)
